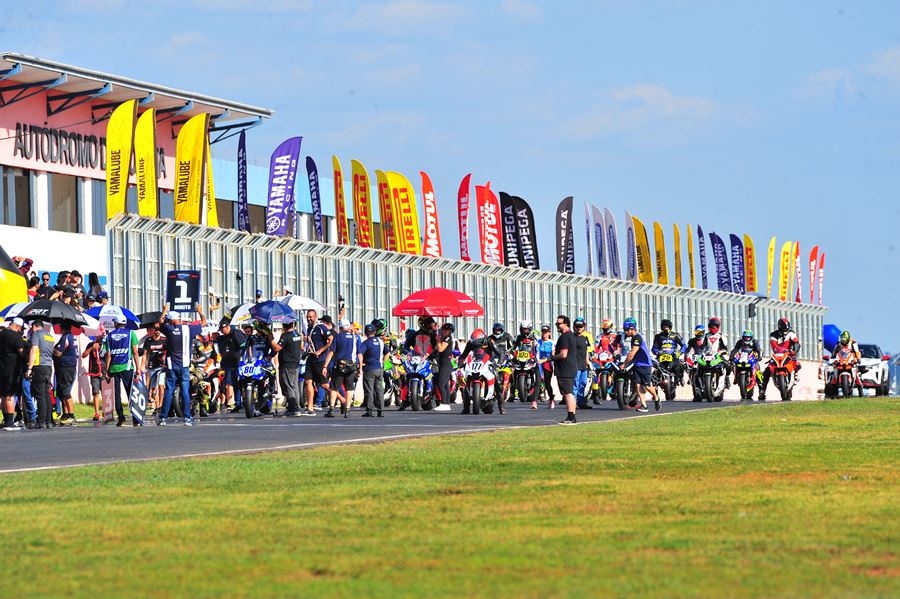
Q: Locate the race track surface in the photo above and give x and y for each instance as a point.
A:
(223, 434)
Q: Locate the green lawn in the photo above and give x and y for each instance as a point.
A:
(780, 500)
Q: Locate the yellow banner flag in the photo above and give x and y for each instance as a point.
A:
(190, 150)
(362, 205)
(750, 265)
(642, 251)
(212, 213)
(119, 136)
(785, 271)
(145, 164)
(386, 211)
(677, 239)
(406, 223)
(659, 244)
(771, 266)
(340, 206)
(690, 244)
(13, 287)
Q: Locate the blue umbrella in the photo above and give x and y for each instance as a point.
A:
(106, 314)
(272, 311)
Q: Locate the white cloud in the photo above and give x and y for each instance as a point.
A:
(882, 69)
(400, 14)
(521, 9)
(885, 65)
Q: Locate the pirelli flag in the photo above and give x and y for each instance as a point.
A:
(406, 214)
(362, 205)
(119, 138)
(190, 152)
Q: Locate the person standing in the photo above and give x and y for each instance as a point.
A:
(566, 366)
(545, 363)
(343, 357)
(446, 344)
(65, 362)
(121, 358)
(178, 360)
(153, 353)
(231, 345)
(642, 369)
(290, 353)
(318, 339)
(12, 349)
(95, 371)
(371, 356)
(583, 341)
(40, 370)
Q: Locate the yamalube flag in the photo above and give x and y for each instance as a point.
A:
(145, 164)
(659, 244)
(642, 250)
(676, 238)
(690, 246)
(212, 211)
(190, 151)
(119, 137)
(565, 250)
(282, 175)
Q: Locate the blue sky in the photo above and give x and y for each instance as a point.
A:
(766, 118)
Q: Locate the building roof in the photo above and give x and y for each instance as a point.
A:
(20, 69)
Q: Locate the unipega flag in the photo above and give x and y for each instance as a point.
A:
(612, 246)
(145, 164)
(432, 243)
(212, 213)
(631, 271)
(527, 234)
(119, 137)
(463, 199)
(190, 150)
(821, 275)
(511, 255)
(565, 250)
(771, 266)
(720, 256)
(406, 213)
(386, 211)
(798, 271)
(282, 172)
(750, 265)
(784, 271)
(690, 246)
(599, 244)
(242, 198)
(340, 206)
(813, 260)
(701, 245)
(737, 265)
(315, 196)
(490, 226)
(362, 205)
(642, 251)
(659, 245)
(587, 234)
(676, 236)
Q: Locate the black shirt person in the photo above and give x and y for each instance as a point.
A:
(566, 365)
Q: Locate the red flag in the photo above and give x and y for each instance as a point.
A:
(821, 274)
(799, 270)
(813, 259)
(489, 225)
(432, 245)
(462, 204)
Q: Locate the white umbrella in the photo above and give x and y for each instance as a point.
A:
(11, 311)
(299, 303)
(240, 314)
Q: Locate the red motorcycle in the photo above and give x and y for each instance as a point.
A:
(783, 369)
(844, 375)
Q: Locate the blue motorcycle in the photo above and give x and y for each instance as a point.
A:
(746, 369)
(254, 375)
(419, 381)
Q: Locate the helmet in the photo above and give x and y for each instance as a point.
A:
(784, 324)
(370, 328)
(606, 325)
(545, 328)
(747, 335)
(665, 324)
(845, 337)
(380, 325)
(630, 323)
(525, 327)
(477, 334)
(425, 321)
(448, 326)
(714, 323)
(497, 329)
(699, 330)
(579, 322)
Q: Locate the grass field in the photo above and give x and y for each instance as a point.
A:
(780, 500)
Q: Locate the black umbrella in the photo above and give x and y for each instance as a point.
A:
(52, 311)
(148, 318)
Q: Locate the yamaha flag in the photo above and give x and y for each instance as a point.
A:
(313, 174)
(612, 249)
(701, 242)
(720, 255)
(599, 234)
(282, 172)
(243, 205)
(737, 264)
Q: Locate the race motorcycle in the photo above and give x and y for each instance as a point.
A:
(844, 375)
(419, 381)
(622, 386)
(393, 378)
(783, 367)
(523, 365)
(746, 370)
(711, 375)
(503, 367)
(666, 375)
(202, 376)
(254, 375)
(479, 381)
(600, 376)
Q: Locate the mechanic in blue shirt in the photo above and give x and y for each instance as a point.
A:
(65, 363)
(639, 358)
(343, 360)
(371, 356)
(180, 338)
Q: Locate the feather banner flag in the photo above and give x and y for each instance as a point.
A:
(750, 265)
(631, 269)
(677, 239)
(315, 197)
(737, 264)
(599, 236)
(821, 275)
(701, 244)
(527, 232)
(690, 246)
(282, 175)
(771, 267)
(431, 245)
(798, 270)
(406, 213)
(813, 260)
(340, 206)
(243, 202)
(587, 234)
(190, 151)
(612, 246)
(462, 205)
(720, 257)
(510, 231)
(565, 248)
(145, 164)
(659, 245)
(386, 212)
(119, 138)
(362, 205)
(489, 225)
(784, 271)
(212, 212)
(642, 251)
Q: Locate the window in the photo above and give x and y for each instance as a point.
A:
(98, 206)
(131, 203)
(63, 203)
(166, 204)
(225, 212)
(257, 219)
(15, 197)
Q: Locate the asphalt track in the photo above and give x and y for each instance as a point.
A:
(223, 434)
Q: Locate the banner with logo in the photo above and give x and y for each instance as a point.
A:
(340, 206)
(119, 136)
(701, 245)
(612, 247)
(720, 256)
(659, 245)
(565, 248)
(813, 260)
(771, 266)
(406, 214)
(737, 265)
(821, 275)
(462, 205)
(212, 212)
(190, 150)
(784, 271)
(690, 246)
(315, 197)
(599, 235)
(510, 231)
(145, 164)
(587, 235)
(631, 270)
(750, 265)
(792, 279)
(386, 211)
(527, 234)
(137, 401)
(432, 242)
(282, 175)
(642, 251)
(362, 205)
(242, 198)
(798, 270)
(676, 237)
(489, 225)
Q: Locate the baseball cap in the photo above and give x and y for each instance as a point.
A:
(18, 321)
(287, 289)
(75, 273)
(91, 298)
(120, 319)
(102, 295)
(344, 323)
(327, 319)
(259, 292)
(174, 315)
(370, 328)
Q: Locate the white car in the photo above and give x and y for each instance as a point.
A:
(874, 368)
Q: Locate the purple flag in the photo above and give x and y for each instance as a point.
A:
(587, 234)
(720, 255)
(243, 208)
(737, 264)
(599, 234)
(631, 274)
(314, 197)
(612, 249)
(702, 243)
(282, 172)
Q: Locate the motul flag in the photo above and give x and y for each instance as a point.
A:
(813, 259)
(462, 204)
(701, 243)
(599, 235)
(510, 231)
(737, 264)
(313, 174)
(432, 230)
(798, 271)
(612, 248)
(489, 225)
(527, 234)
(243, 203)
(720, 255)
(821, 275)
(631, 269)
(587, 235)
(565, 250)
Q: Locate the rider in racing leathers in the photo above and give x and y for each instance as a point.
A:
(782, 340)
(694, 348)
(849, 343)
(669, 342)
(715, 340)
(526, 340)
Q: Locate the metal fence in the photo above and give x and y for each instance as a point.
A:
(372, 281)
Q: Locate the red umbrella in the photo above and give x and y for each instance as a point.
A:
(438, 301)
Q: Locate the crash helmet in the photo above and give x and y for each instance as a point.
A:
(845, 337)
(665, 324)
(606, 325)
(525, 327)
(630, 323)
(747, 336)
(425, 322)
(699, 330)
(497, 329)
(784, 325)
(714, 323)
(380, 325)
(477, 338)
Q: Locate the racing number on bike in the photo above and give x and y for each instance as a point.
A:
(523, 356)
(665, 357)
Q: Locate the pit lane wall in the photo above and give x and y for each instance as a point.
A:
(235, 264)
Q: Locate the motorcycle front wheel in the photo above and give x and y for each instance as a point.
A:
(475, 397)
(413, 395)
(781, 383)
(708, 390)
(845, 386)
(620, 394)
(249, 397)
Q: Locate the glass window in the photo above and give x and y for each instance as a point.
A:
(98, 207)
(257, 219)
(131, 204)
(63, 203)
(225, 212)
(15, 197)
(166, 204)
